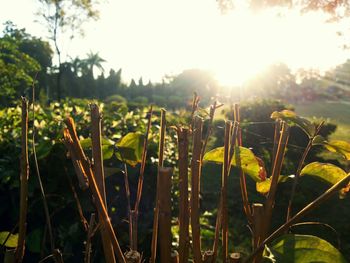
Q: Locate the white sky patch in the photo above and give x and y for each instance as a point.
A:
(157, 37)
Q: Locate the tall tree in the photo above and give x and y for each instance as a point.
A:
(92, 61)
(65, 16)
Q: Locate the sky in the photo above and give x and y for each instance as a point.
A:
(154, 38)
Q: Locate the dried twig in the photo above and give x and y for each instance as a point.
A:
(160, 164)
(24, 183)
(165, 174)
(87, 257)
(99, 176)
(182, 136)
(72, 141)
(196, 167)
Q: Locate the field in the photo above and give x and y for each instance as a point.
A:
(337, 112)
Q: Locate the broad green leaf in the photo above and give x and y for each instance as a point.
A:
(86, 143)
(11, 241)
(243, 158)
(303, 249)
(263, 187)
(43, 149)
(338, 146)
(129, 148)
(292, 119)
(326, 172)
(107, 151)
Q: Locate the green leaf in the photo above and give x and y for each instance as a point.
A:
(87, 143)
(326, 172)
(243, 158)
(129, 148)
(263, 187)
(303, 249)
(318, 140)
(107, 151)
(338, 146)
(11, 241)
(292, 119)
(43, 149)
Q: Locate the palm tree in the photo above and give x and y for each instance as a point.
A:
(93, 60)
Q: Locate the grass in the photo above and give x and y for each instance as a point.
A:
(337, 112)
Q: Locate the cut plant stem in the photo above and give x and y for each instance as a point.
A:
(182, 137)
(24, 183)
(160, 164)
(135, 212)
(242, 178)
(300, 166)
(99, 176)
(42, 191)
(224, 181)
(311, 206)
(165, 174)
(73, 144)
(270, 201)
(196, 167)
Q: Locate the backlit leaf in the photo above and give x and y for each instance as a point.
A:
(325, 172)
(293, 119)
(11, 241)
(129, 148)
(243, 158)
(303, 249)
(338, 146)
(264, 186)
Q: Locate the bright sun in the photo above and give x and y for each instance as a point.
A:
(163, 36)
(158, 37)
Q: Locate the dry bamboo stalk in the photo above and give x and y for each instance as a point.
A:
(224, 181)
(165, 174)
(308, 208)
(160, 164)
(24, 183)
(182, 135)
(71, 138)
(99, 176)
(196, 167)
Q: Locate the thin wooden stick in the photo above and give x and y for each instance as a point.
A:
(135, 211)
(182, 137)
(300, 166)
(99, 176)
(196, 167)
(311, 206)
(165, 174)
(224, 181)
(160, 164)
(71, 139)
(242, 178)
(24, 183)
